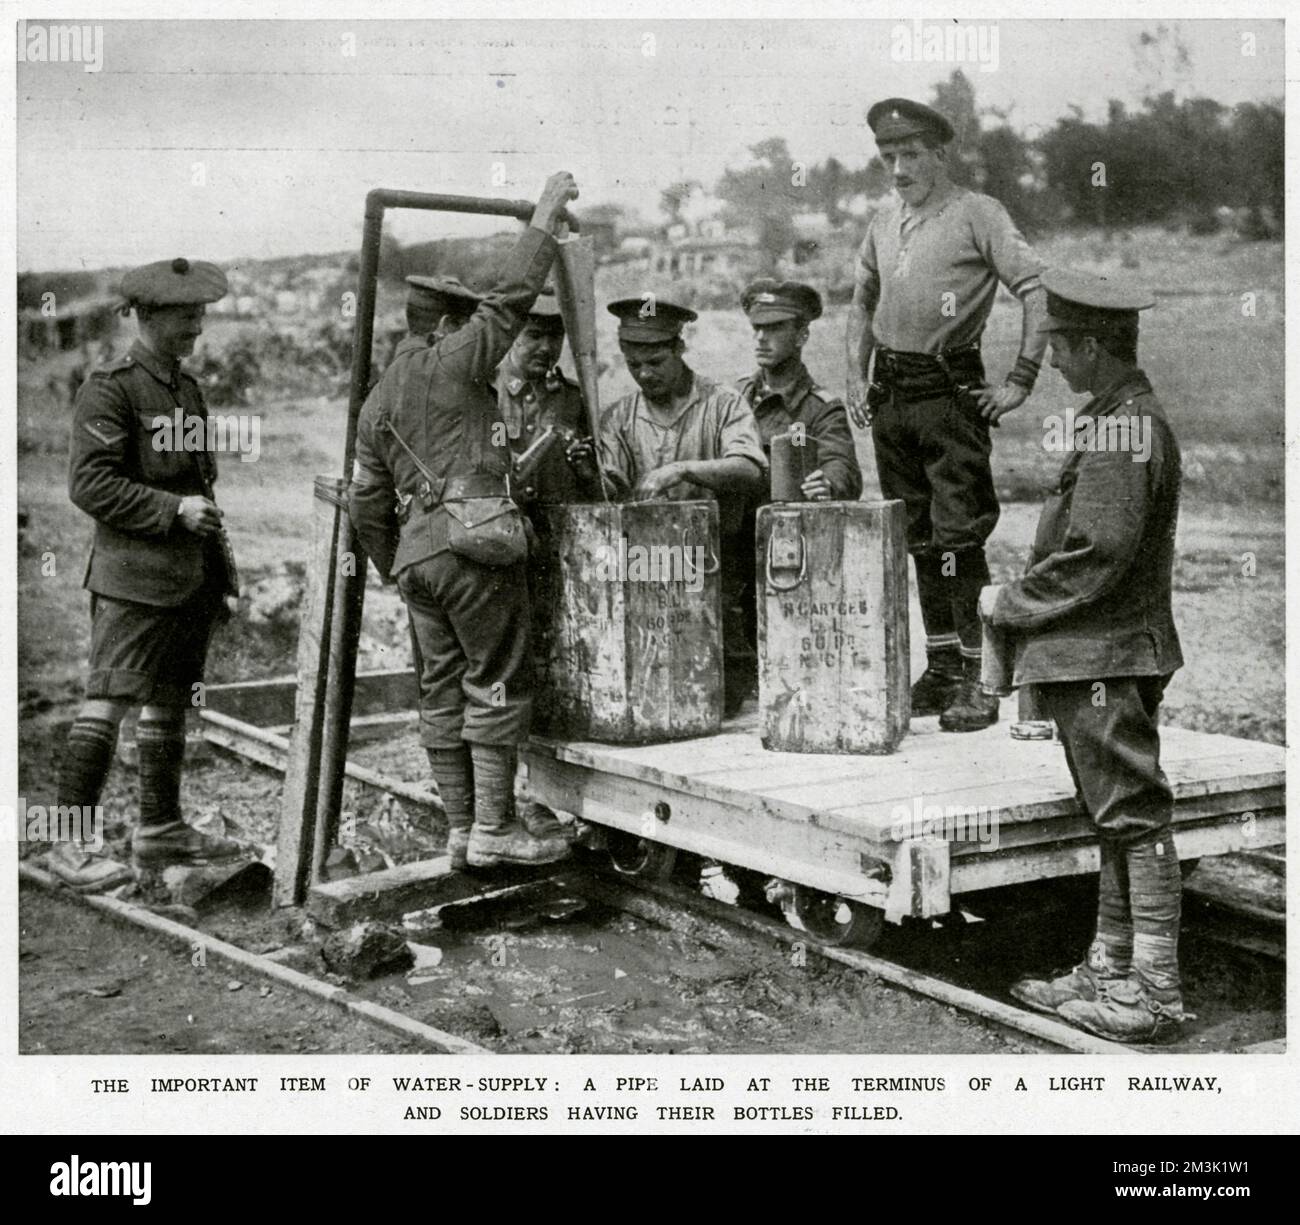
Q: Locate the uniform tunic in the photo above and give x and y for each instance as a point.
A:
(527, 407)
(824, 420)
(1092, 615)
(157, 588)
(470, 620)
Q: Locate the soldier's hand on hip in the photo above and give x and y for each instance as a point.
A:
(996, 402)
(199, 515)
(558, 191)
(855, 398)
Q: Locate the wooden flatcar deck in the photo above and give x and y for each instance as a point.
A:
(946, 814)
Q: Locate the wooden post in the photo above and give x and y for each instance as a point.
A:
(331, 626)
(298, 805)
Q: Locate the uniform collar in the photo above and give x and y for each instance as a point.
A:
(694, 393)
(1130, 383)
(516, 382)
(160, 369)
(934, 203)
(792, 393)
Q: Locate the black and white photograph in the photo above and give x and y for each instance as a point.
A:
(752, 543)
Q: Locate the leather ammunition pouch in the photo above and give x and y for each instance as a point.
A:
(489, 531)
(483, 524)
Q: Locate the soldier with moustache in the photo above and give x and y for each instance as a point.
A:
(159, 572)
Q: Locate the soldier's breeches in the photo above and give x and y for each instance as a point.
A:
(933, 455)
(146, 655)
(472, 626)
(1112, 742)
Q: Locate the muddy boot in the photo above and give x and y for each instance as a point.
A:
(1148, 1006)
(937, 686)
(175, 843)
(539, 820)
(972, 709)
(1090, 980)
(454, 774)
(1130, 1011)
(1110, 956)
(496, 837)
(85, 870)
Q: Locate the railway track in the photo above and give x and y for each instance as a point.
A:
(954, 970)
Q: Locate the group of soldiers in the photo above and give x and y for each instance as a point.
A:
(440, 501)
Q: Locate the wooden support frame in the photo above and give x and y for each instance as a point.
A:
(331, 626)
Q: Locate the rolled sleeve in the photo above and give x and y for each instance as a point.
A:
(1004, 247)
(866, 271)
(737, 436)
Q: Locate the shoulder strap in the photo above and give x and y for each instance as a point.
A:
(386, 423)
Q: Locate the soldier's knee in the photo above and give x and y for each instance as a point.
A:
(110, 710)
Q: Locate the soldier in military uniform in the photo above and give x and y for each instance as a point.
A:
(428, 299)
(927, 274)
(430, 499)
(1092, 626)
(159, 570)
(784, 397)
(684, 437)
(534, 393)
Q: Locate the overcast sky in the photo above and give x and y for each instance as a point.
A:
(246, 138)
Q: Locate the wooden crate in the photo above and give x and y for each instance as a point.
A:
(626, 630)
(832, 627)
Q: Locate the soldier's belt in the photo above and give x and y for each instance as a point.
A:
(429, 494)
(918, 376)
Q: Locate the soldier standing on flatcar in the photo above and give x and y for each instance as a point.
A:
(427, 443)
(1092, 626)
(159, 570)
(784, 397)
(684, 437)
(533, 394)
(927, 274)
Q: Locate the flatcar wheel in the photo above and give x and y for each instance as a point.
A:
(833, 920)
(640, 857)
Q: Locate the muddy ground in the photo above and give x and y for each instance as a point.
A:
(602, 981)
